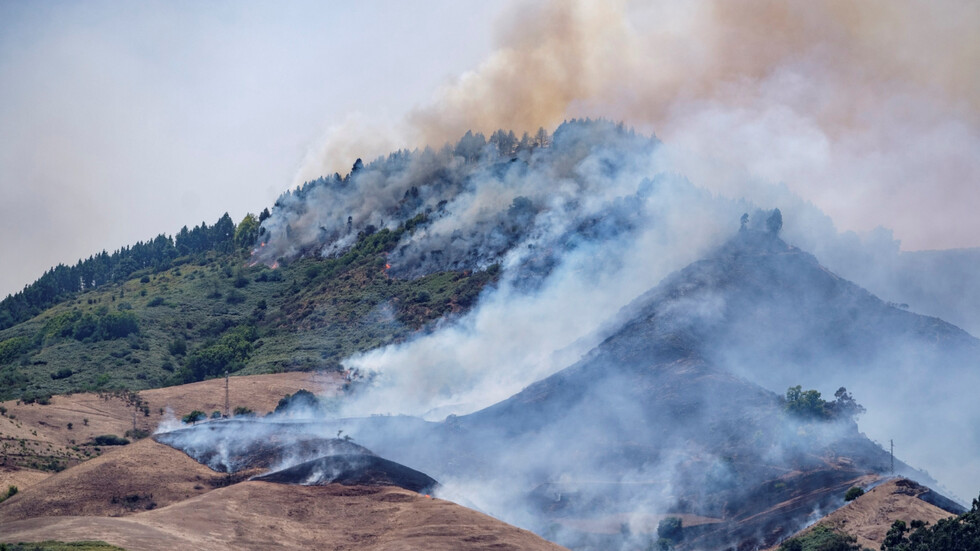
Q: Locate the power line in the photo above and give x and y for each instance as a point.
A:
(892, 454)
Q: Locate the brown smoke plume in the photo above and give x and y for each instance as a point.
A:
(869, 109)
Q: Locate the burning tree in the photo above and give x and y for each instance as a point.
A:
(775, 222)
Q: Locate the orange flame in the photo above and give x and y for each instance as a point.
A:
(275, 265)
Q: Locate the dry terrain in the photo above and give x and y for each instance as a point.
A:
(869, 517)
(37, 438)
(147, 495)
(126, 480)
(263, 515)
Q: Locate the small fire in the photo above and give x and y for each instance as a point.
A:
(262, 244)
(275, 265)
(387, 267)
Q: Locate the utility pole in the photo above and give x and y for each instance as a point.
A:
(892, 454)
(227, 401)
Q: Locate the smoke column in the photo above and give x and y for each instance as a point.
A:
(846, 116)
(870, 110)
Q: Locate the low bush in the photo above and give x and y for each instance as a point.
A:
(193, 417)
(109, 440)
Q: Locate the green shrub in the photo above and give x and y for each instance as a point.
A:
(11, 492)
(235, 297)
(821, 538)
(949, 534)
(193, 417)
(11, 348)
(108, 440)
(177, 347)
(302, 398)
(671, 528)
(229, 353)
(62, 373)
(137, 434)
(853, 493)
(36, 397)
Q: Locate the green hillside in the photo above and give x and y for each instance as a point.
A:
(197, 315)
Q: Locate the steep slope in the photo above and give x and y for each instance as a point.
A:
(134, 478)
(869, 517)
(664, 417)
(339, 266)
(771, 313)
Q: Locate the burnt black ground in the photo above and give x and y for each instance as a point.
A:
(353, 470)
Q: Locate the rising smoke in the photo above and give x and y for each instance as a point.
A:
(865, 111)
(869, 110)
(595, 200)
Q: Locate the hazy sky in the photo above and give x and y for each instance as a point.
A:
(122, 120)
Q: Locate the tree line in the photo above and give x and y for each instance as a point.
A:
(158, 254)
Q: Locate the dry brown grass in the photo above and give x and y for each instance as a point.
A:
(262, 515)
(22, 478)
(149, 496)
(869, 517)
(37, 433)
(155, 473)
(260, 393)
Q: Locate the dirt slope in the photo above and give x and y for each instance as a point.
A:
(262, 515)
(868, 517)
(260, 393)
(22, 478)
(128, 479)
(38, 436)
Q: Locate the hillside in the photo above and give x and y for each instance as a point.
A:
(263, 515)
(148, 495)
(340, 265)
(657, 420)
(646, 426)
(869, 517)
(196, 316)
(36, 439)
(699, 404)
